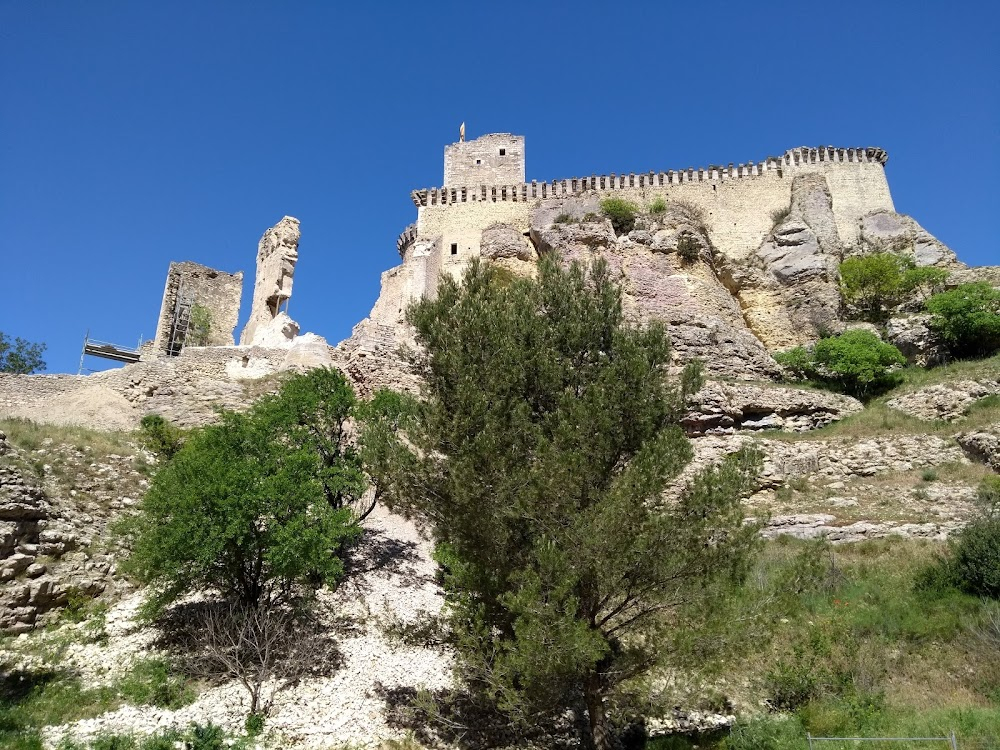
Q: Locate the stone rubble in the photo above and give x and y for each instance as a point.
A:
(391, 573)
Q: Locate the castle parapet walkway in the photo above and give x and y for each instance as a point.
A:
(533, 190)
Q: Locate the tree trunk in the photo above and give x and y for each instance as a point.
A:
(600, 735)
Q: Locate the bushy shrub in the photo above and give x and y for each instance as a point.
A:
(877, 282)
(973, 564)
(856, 362)
(688, 247)
(160, 437)
(976, 558)
(778, 215)
(621, 212)
(967, 318)
(199, 331)
(658, 205)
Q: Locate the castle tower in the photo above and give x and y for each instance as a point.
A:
(494, 159)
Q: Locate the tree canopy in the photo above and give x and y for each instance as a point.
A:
(877, 282)
(254, 506)
(20, 357)
(968, 319)
(856, 362)
(541, 455)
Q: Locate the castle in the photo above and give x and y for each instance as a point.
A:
(484, 185)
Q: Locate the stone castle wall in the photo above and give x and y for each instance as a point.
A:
(737, 200)
(216, 291)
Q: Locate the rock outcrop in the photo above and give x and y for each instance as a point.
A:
(277, 254)
(982, 446)
(888, 231)
(787, 288)
(946, 401)
(725, 408)
(912, 335)
(47, 531)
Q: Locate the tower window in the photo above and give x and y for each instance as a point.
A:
(479, 161)
(503, 152)
(454, 248)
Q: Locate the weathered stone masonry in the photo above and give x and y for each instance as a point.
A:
(216, 291)
(737, 200)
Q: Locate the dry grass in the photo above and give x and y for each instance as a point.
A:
(31, 436)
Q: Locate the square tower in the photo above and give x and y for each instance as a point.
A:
(494, 159)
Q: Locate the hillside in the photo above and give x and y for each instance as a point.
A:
(856, 497)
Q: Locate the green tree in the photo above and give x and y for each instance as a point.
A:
(20, 357)
(242, 508)
(968, 319)
(856, 362)
(313, 411)
(541, 455)
(877, 282)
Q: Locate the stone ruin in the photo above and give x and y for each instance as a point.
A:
(194, 289)
(277, 254)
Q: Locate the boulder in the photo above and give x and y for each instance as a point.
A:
(280, 331)
(504, 241)
(307, 352)
(912, 335)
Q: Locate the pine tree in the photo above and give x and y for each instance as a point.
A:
(541, 454)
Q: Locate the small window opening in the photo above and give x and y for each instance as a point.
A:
(454, 248)
(503, 152)
(479, 161)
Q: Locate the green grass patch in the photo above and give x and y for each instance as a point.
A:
(843, 643)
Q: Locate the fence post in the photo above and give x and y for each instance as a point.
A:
(809, 738)
(954, 741)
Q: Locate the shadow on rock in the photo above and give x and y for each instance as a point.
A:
(459, 719)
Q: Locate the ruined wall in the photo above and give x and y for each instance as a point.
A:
(217, 291)
(277, 253)
(488, 160)
(184, 389)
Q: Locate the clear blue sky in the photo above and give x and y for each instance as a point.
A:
(136, 133)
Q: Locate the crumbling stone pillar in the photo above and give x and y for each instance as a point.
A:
(277, 254)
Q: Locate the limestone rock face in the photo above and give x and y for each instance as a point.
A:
(660, 281)
(983, 446)
(679, 229)
(914, 338)
(277, 254)
(788, 287)
(887, 230)
(280, 331)
(504, 241)
(724, 408)
(308, 352)
(39, 559)
(569, 239)
(948, 401)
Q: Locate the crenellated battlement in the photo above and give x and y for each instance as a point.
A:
(525, 191)
(405, 239)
